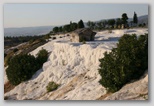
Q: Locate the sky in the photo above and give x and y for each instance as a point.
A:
(31, 15)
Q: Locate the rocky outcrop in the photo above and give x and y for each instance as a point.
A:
(83, 34)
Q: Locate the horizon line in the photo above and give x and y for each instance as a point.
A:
(60, 25)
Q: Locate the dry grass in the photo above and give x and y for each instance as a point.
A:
(8, 87)
(104, 96)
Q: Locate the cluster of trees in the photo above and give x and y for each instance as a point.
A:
(124, 63)
(104, 24)
(23, 66)
(112, 22)
(69, 27)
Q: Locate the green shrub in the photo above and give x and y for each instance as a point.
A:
(21, 68)
(47, 36)
(42, 57)
(53, 38)
(83, 42)
(15, 50)
(51, 86)
(140, 25)
(126, 62)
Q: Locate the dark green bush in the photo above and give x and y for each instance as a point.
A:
(21, 68)
(15, 50)
(126, 62)
(83, 42)
(53, 38)
(42, 57)
(51, 86)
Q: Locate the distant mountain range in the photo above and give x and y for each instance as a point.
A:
(141, 19)
(31, 31)
(27, 31)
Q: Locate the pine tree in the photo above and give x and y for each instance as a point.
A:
(80, 24)
(135, 19)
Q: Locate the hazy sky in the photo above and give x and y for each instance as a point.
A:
(27, 15)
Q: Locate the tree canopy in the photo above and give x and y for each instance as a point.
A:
(111, 22)
(124, 18)
(135, 19)
(125, 63)
(23, 66)
(80, 24)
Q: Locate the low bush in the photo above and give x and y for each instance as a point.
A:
(21, 68)
(42, 57)
(53, 38)
(125, 63)
(51, 86)
(83, 42)
(15, 50)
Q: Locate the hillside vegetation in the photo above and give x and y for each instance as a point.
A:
(22, 67)
(127, 62)
(74, 67)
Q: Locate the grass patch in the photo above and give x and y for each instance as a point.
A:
(51, 86)
(8, 87)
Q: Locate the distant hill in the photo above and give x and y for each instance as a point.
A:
(141, 19)
(30, 31)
